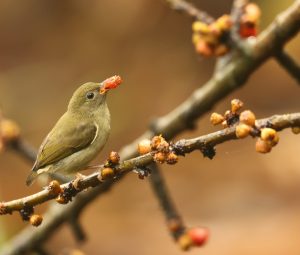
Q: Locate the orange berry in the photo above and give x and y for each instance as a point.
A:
(61, 199)
(252, 11)
(9, 130)
(200, 27)
(36, 220)
(144, 146)
(55, 188)
(214, 32)
(196, 38)
(263, 146)
(159, 157)
(216, 118)
(163, 146)
(236, 105)
(242, 130)
(224, 22)
(156, 141)
(107, 173)
(267, 134)
(114, 157)
(172, 158)
(248, 117)
(204, 48)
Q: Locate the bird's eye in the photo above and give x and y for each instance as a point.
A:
(90, 95)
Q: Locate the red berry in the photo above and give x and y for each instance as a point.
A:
(199, 235)
(248, 31)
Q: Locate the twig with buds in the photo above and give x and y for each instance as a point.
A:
(226, 80)
(160, 152)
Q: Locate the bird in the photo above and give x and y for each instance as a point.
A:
(79, 135)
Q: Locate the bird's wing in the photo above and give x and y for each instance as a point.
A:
(63, 141)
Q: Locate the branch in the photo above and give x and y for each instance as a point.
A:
(174, 221)
(289, 64)
(182, 117)
(277, 122)
(232, 76)
(191, 10)
(236, 14)
(24, 149)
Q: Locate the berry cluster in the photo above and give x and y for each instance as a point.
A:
(212, 39)
(162, 151)
(245, 125)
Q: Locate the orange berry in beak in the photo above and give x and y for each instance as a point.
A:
(110, 83)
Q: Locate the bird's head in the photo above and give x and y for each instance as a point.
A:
(90, 96)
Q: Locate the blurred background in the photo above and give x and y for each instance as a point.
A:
(250, 202)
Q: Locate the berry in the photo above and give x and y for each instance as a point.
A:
(248, 117)
(36, 220)
(263, 146)
(242, 130)
(216, 118)
(144, 146)
(199, 236)
(114, 157)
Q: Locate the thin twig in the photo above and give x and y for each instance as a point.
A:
(77, 229)
(24, 149)
(289, 64)
(278, 122)
(191, 10)
(225, 81)
(174, 221)
(236, 14)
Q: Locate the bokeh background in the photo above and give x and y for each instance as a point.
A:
(250, 202)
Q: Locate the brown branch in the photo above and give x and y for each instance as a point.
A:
(232, 76)
(236, 14)
(30, 238)
(289, 64)
(277, 122)
(191, 10)
(174, 221)
(222, 83)
(77, 229)
(24, 149)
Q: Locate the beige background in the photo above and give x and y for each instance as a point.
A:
(249, 201)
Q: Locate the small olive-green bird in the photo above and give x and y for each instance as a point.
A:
(80, 134)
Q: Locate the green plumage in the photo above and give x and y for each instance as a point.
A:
(78, 136)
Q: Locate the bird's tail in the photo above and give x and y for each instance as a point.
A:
(31, 178)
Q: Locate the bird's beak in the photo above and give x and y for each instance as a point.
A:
(110, 83)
